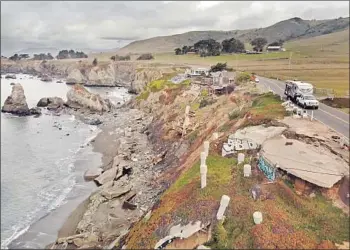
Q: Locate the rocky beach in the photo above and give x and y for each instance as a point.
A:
(125, 181)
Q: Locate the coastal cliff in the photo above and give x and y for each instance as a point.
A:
(131, 75)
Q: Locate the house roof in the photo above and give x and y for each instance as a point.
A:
(313, 164)
(273, 47)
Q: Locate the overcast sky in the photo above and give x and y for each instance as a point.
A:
(107, 25)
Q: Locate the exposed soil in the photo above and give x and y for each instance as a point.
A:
(338, 102)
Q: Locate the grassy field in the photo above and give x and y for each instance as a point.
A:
(322, 61)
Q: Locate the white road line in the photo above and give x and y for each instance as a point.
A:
(334, 116)
(346, 122)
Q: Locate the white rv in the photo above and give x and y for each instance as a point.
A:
(295, 89)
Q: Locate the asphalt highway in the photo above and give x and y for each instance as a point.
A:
(333, 118)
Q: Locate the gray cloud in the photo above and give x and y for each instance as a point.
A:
(107, 25)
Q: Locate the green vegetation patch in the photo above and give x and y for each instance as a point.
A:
(268, 105)
(143, 95)
(243, 77)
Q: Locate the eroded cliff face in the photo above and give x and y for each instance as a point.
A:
(105, 74)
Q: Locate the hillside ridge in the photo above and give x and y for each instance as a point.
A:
(290, 29)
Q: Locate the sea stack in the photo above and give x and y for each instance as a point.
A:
(16, 103)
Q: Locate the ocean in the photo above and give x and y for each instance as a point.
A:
(42, 166)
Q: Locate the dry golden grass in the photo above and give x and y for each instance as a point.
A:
(322, 61)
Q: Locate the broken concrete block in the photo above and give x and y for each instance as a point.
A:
(247, 170)
(107, 176)
(93, 173)
(240, 158)
(223, 205)
(227, 149)
(115, 191)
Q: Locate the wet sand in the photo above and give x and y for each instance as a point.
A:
(46, 229)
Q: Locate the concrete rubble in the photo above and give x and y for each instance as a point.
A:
(181, 232)
(249, 138)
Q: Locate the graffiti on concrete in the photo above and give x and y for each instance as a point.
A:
(267, 169)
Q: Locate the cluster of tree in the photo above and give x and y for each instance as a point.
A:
(185, 49)
(258, 44)
(17, 57)
(120, 58)
(145, 57)
(65, 54)
(277, 43)
(43, 56)
(210, 47)
(232, 46)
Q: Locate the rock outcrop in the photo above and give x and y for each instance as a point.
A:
(75, 76)
(101, 77)
(78, 97)
(16, 103)
(52, 103)
(46, 78)
(10, 77)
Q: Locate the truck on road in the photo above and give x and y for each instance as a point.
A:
(307, 101)
(295, 89)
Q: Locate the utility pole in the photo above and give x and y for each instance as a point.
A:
(290, 59)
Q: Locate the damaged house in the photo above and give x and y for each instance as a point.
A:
(310, 165)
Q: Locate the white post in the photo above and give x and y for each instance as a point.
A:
(223, 205)
(187, 110)
(312, 115)
(247, 170)
(203, 170)
(240, 158)
(206, 148)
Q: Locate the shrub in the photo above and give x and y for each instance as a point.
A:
(143, 96)
(122, 58)
(205, 102)
(243, 77)
(204, 93)
(234, 114)
(147, 56)
(94, 62)
(218, 67)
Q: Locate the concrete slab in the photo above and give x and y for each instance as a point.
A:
(257, 134)
(308, 162)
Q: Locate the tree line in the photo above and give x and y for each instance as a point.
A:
(63, 54)
(211, 47)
